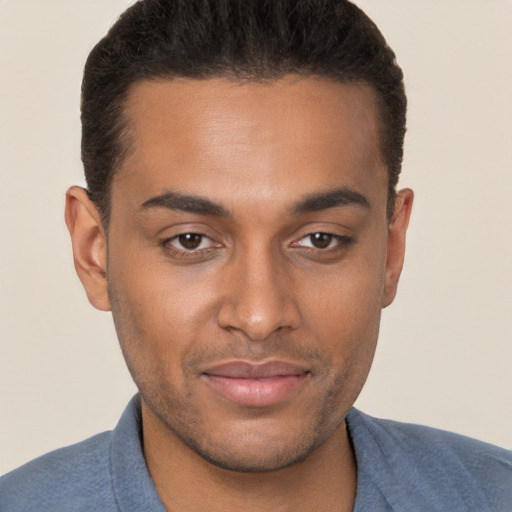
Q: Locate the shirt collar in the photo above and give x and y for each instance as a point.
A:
(132, 484)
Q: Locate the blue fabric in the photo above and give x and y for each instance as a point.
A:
(404, 467)
(401, 467)
(105, 473)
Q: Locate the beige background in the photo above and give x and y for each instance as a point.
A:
(445, 351)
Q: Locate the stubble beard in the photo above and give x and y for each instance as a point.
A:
(184, 421)
(181, 421)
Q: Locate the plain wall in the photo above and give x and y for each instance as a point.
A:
(444, 356)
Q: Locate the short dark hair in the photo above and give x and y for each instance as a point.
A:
(240, 39)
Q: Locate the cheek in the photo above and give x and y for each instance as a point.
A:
(346, 328)
(347, 298)
(157, 313)
(342, 311)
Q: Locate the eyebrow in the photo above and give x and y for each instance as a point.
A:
(312, 203)
(331, 199)
(186, 203)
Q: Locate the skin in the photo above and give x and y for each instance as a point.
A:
(257, 286)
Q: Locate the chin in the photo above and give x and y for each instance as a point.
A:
(253, 459)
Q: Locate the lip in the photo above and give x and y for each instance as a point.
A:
(255, 384)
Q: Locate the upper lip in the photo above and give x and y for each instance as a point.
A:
(253, 370)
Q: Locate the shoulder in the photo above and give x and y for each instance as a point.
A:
(439, 468)
(422, 440)
(71, 478)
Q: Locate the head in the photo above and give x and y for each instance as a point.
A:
(241, 164)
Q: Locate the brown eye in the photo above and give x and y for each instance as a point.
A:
(190, 241)
(324, 242)
(321, 240)
(195, 246)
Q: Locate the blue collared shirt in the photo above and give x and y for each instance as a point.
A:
(401, 467)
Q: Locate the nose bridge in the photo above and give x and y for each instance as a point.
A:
(257, 299)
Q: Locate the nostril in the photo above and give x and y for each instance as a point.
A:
(258, 322)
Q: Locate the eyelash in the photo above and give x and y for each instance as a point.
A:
(343, 242)
(184, 253)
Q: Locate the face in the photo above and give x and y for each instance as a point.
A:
(249, 257)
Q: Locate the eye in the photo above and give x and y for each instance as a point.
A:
(318, 240)
(323, 241)
(190, 242)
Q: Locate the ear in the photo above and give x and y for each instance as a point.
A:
(396, 244)
(89, 246)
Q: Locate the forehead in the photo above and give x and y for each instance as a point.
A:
(216, 135)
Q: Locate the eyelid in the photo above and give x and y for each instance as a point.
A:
(171, 231)
(209, 245)
(177, 253)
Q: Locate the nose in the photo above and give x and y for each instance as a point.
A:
(258, 299)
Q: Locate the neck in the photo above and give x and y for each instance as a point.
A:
(325, 480)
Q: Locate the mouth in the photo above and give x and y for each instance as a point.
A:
(255, 384)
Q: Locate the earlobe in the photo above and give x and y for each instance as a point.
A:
(89, 246)
(396, 244)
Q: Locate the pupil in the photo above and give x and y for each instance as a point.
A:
(190, 240)
(321, 240)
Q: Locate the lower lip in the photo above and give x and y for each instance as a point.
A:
(256, 392)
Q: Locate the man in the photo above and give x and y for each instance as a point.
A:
(242, 224)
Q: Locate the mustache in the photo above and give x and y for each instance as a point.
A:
(277, 347)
